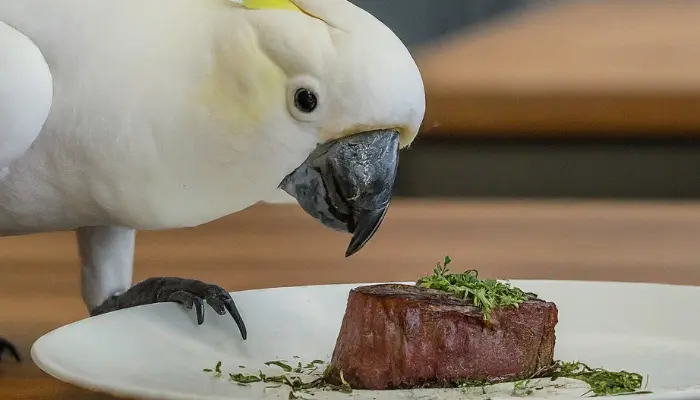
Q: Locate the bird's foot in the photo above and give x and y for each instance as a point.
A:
(6, 345)
(188, 292)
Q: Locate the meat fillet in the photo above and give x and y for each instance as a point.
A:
(403, 337)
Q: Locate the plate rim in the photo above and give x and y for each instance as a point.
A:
(123, 391)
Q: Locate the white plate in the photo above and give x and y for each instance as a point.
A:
(158, 351)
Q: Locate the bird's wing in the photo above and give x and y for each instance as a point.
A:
(26, 93)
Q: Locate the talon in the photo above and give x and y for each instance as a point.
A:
(231, 307)
(199, 306)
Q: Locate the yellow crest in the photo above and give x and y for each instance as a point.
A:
(268, 5)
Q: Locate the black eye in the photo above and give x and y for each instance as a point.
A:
(305, 100)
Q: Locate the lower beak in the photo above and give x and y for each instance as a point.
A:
(346, 184)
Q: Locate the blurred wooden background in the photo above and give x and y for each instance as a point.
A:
(573, 99)
(594, 99)
(626, 68)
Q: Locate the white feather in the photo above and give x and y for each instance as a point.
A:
(26, 89)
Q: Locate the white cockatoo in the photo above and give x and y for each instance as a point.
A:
(126, 115)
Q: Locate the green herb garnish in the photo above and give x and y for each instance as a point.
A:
(484, 294)
(285, 367)
(245, 378)
(217, 369)
(291, 377)
(601, 381)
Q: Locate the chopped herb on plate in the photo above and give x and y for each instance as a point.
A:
(300, 379)
(601, 381)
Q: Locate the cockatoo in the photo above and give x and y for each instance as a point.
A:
(126, 115)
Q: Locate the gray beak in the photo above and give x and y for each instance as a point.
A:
(347, 183)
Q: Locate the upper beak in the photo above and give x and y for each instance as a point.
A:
(347, 183)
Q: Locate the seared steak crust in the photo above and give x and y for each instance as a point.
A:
(402, 336)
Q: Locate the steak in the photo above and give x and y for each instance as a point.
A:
(397, 336)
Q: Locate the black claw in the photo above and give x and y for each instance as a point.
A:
(6, 345)
(231, 307)
(188, 292)
(199, 306)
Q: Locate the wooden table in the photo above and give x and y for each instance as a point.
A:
(624, 68)
(274, 245)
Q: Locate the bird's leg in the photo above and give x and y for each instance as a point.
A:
(107, 256)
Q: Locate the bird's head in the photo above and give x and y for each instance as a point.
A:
(332, 88)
